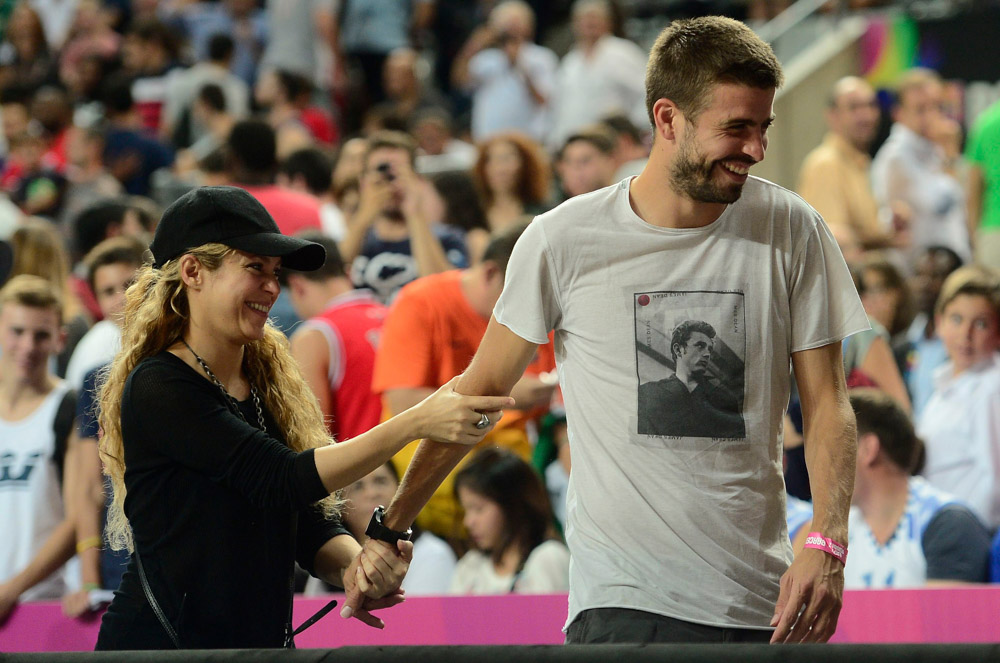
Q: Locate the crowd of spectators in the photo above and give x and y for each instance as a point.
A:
(415, 139)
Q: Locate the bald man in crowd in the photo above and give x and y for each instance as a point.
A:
(835, 176)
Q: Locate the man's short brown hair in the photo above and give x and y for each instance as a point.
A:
(691, 56)
(393, 140)
(121, 249)
(598, 135)
(33, 292)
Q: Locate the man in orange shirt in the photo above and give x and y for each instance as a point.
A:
(430, 335)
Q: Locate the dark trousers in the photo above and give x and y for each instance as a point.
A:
(621, 625)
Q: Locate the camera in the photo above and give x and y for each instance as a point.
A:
(385, 170)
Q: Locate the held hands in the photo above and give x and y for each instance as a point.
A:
(809, 602)
(449, 417)
(372, 580)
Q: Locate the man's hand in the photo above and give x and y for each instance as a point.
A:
(809, 602)
(372, 580)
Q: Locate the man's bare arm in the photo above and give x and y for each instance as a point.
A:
(812, 589)
(498, 365)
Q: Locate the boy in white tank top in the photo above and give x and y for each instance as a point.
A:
(36, 410)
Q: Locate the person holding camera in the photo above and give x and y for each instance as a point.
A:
(510, 78)
(390, 241)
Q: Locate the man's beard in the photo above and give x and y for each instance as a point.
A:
(690, 175)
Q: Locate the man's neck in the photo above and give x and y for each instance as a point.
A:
(471, 283)
(390, 228)
(587, 46)
(882, 501)
(686, 377)
(848, 144)
(15, 393)
(654, 200)
(326, 293)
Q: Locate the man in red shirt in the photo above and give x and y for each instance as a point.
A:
(335, 346)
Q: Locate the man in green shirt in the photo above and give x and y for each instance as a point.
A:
(983, 153)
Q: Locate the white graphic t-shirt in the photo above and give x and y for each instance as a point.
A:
(673, 349)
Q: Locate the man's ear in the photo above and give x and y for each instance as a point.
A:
(191, 271)
(491, 271)
(868, 448)
(668, 119)
(295, 283)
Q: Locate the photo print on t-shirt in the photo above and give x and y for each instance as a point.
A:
(690, 349)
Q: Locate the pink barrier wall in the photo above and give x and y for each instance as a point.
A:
(895, 616)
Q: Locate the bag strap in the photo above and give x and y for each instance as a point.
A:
(154, 605)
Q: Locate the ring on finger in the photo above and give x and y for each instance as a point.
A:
(483, 422)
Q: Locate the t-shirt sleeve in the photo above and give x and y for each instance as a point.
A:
(314, 530)
(546, 570)
(406, 357)
(956, 546)
(529, 305)
(825, 306)
(169, 414)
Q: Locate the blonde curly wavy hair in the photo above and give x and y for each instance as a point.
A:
(156, 315)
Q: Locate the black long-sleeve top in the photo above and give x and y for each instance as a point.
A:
(219, 511)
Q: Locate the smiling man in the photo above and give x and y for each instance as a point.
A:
(694, 545)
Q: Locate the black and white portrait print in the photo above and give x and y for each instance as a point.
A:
(690, 356)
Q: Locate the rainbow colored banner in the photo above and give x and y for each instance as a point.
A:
(889, 47)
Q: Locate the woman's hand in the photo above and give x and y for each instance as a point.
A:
(449, 417)
(372, 580)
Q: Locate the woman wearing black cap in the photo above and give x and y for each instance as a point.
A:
(217, 452)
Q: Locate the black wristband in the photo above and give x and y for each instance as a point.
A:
(376, 530)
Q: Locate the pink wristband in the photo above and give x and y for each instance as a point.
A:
(827, 545)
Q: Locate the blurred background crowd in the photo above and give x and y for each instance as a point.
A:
(415, 139)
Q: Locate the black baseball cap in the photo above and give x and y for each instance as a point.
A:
(229, 215)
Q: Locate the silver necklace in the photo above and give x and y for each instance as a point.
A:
(225, 392)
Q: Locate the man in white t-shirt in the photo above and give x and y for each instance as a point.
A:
(683, 537)
(601, 74)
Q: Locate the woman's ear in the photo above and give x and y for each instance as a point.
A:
(191, 271)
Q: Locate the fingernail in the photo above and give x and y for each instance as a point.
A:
(347, 612)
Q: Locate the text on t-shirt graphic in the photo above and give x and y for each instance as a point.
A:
(690, 350)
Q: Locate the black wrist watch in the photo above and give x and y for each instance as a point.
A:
(376, 530)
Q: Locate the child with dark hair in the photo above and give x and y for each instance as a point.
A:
(509, 520)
